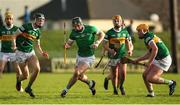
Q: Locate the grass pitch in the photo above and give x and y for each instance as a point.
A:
(48, 86)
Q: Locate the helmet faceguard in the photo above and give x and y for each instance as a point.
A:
(39, 15)
(77, 20)
(39, 19)
(77, 24)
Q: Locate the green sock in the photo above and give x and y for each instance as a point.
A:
(18, 79)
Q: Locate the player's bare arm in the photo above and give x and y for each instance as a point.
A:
(99, 40)
(43, 53)
(154, 50)
(129, 47)
(144, 57)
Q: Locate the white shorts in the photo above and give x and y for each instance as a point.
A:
(21, 57)
(164, 63)
(11, 57)
(88, 60)
(113, 62)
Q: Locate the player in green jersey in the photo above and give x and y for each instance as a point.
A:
(27, 35)
(117, 43)
(7, 36)
(159, 60)
(84, 35)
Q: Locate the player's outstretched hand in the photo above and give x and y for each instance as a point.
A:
(66, 45)
(45, 54)
(94, 46)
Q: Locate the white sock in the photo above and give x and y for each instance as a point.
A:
(151, 93)
(66, 89)
(170, 82)
(90, 83)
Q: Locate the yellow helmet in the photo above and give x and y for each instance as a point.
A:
(143, 27)
(117, 17)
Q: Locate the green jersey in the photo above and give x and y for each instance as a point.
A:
(162, 49)
(26, 38)
(116, 41)
(5, 32)
(84, 40)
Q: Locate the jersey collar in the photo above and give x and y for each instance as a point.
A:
(118, 29)
(8, 28)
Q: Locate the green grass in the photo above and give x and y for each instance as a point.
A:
(48, 86)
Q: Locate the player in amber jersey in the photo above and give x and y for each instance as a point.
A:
(84, 36)
(26, 36)
(7, 37)
(159, 60)
(117, 43)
